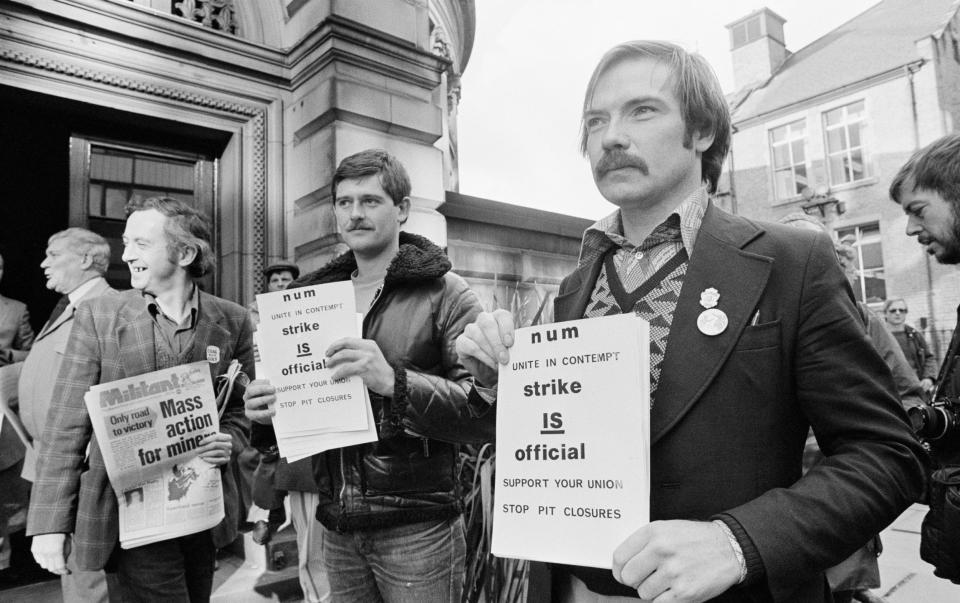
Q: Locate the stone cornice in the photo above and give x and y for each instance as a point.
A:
(253, 116)
(339, 39)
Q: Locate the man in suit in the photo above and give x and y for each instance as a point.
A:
(732, 397)
(16, 334)
(76, 260)
(165, 321)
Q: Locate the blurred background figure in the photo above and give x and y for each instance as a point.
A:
(278, 276)
(16, 334)
(912, 342)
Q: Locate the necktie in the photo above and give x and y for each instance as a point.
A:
(57, 311)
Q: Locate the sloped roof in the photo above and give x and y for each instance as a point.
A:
(877, 40)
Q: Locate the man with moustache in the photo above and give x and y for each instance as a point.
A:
(928, 189)
(732, 399)
(391, 510)
(163, 322)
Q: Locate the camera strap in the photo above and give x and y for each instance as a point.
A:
(949, 361)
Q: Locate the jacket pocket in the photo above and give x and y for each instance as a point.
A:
(757, 337)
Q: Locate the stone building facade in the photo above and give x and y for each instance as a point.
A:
(243, 107)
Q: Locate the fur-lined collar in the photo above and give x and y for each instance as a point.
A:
(418, 260)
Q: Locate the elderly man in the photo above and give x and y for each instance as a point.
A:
(165, 321)
(738, 376)
(75, 263)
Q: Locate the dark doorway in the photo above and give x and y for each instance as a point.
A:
(35, 133)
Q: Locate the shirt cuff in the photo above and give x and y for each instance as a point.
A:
(751, 556)
(736, 549)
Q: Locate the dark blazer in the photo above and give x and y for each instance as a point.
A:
(113, 338)
(732, 411)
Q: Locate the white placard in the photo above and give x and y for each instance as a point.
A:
(573, 441)
(296, 328)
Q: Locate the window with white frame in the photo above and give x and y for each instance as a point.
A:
(788, 152)
(843, 132)
(867, 273)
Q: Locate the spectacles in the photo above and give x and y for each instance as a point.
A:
(897, 310)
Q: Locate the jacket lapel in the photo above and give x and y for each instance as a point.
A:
(211, 333)
(573, 303)
(135, 337)
(692, 358)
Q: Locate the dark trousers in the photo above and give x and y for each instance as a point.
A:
(180, 569)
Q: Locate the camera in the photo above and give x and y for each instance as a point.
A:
(935, 420)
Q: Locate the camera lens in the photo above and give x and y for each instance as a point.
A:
(930, 422)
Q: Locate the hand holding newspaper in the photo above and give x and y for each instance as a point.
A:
(149, 428)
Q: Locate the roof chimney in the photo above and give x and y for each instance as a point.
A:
(756, 46)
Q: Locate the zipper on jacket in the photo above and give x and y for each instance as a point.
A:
(426, 447)
(343, 484)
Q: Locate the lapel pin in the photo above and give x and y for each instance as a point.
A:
(213, 354)
(711, 321)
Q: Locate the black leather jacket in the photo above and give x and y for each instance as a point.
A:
(411, 473)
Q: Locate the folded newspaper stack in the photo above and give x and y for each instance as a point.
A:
(148, 428)
(314, 412)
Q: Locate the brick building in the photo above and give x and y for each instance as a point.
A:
(824, 129)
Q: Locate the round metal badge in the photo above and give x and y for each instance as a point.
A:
(712, 322)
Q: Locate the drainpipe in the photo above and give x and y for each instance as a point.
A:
(910, 70)
(732, 171)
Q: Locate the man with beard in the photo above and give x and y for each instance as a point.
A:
(731, 399)
(928, 189)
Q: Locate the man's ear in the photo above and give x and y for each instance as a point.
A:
(86, 262)
(186, 255)
(404, 210)
(702, 142)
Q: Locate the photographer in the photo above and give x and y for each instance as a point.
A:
(928, 189)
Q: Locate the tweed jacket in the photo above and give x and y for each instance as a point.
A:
(43, 363)
(113, 338)
(16, 334)
(731, 413)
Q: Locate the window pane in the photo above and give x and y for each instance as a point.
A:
(856, 165)
(116, 199)
(778, 134)
(784, 184)
(836, 140)
(834, 117)
(781, 156)
(855, 111)
(837, 173)
(854, 133)
(800, 175)
(797, 147)
(117, 168)
(167, 174)
(872, 255)
(95, 200)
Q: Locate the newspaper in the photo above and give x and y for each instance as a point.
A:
(149, 428)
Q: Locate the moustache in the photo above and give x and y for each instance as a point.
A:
(617, 159)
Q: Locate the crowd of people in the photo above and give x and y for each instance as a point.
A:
(800, 396)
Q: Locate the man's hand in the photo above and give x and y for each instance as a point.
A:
(482, 346)
(216, 448)
(259, 401)
(687, 561)
(354, 357)
(926, 385)
(51, 552)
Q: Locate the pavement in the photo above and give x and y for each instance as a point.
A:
(904, 577)
(243, 578)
